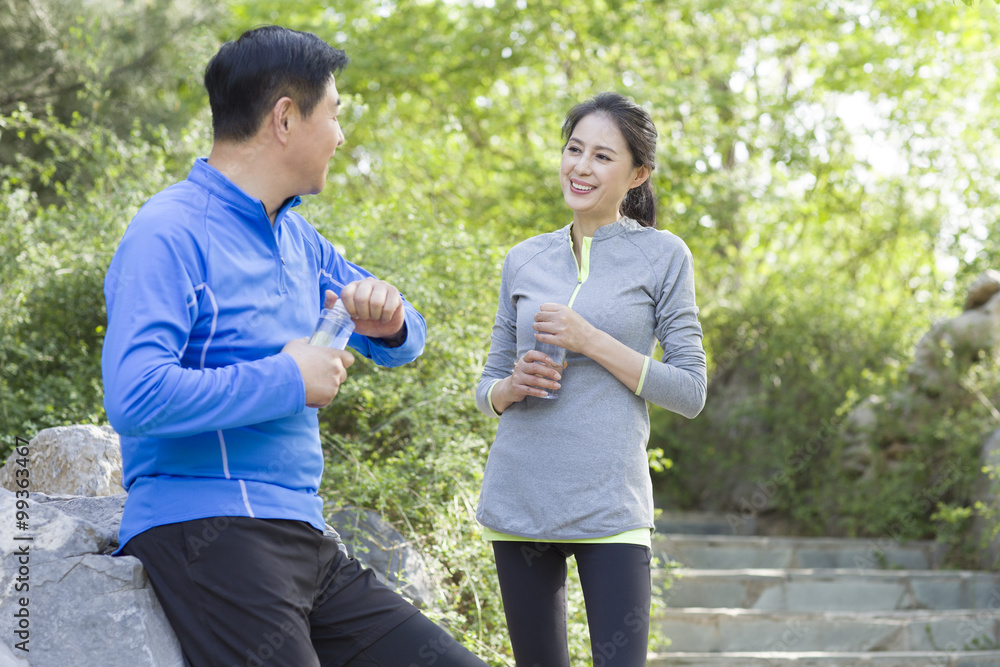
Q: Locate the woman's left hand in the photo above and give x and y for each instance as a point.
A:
(564, 327)
(561, 325)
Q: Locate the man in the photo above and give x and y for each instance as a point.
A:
(213, 388)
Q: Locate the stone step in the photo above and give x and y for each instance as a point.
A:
(834, 590)
(724, 630)
(703, 523)
(735, 551)
(828, 659)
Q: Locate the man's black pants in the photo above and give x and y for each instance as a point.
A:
(243, 592)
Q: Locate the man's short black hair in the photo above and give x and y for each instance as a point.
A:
(246, 77)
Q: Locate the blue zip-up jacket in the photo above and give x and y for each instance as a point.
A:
(202, 294)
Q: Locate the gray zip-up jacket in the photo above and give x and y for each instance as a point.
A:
(575, 468)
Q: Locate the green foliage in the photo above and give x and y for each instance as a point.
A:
(933, 467)
(95, 96)
(53, 262)
(828, 258)
(100, 64)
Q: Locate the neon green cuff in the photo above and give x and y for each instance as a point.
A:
(642, 377)
(489, 398)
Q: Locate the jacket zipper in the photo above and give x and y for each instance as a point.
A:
(582, 266)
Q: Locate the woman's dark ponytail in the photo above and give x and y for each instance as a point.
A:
(640, 136)
(640, 204)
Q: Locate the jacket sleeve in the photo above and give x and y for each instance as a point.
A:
(503, 344)
(678, 382)
(338, 272)
(154, 290)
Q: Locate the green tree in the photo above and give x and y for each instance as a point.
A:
(103, 64)
(95, 98)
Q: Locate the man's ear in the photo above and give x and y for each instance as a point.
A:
(641, 174)
(282, 118)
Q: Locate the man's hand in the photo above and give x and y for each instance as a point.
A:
(375, 306)
(323, 369)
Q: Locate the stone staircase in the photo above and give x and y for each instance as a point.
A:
(751, 601)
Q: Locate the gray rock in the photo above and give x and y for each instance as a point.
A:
(945, 352)
(103, 512)
(379, 546)
(83, 607)
(982, 289)
(80, 460)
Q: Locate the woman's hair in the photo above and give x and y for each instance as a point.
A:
(640, 136)
(247, 76)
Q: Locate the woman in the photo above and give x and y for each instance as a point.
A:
(570, 476)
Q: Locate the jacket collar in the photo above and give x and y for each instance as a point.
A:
(213, 180)
(607, 231)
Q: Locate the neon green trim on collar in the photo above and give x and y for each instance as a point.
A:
(583, 266)
(585, 258)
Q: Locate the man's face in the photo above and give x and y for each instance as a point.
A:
(315, 142)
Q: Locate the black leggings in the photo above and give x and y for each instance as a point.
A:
(616, 588)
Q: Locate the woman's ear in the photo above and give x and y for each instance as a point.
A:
(641, 174)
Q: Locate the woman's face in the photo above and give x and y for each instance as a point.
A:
(596, 171)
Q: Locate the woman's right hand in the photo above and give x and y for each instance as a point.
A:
(534, 375)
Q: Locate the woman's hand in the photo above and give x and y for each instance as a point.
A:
(534, 375)
(562, 326)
